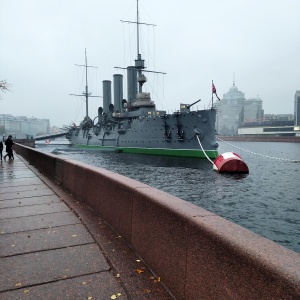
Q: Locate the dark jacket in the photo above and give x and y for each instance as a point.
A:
(9, 142)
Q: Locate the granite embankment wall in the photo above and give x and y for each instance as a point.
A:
(197, 254)
(26, 142)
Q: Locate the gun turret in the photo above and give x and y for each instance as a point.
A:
(188, 107)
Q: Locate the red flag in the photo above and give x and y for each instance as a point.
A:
(214, 91)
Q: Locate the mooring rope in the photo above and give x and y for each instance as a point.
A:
(197, 135)
(258, 154)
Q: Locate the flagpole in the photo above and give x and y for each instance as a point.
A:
(212, 95)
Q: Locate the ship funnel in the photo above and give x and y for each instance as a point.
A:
(131, 84)
(106, 95)
(118, 91)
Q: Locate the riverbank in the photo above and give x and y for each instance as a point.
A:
(255, 138)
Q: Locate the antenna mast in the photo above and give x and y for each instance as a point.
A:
(139, 62)
(137, 28)
(86, 93)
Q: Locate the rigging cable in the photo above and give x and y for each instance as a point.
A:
(197, 135)
(258, 154)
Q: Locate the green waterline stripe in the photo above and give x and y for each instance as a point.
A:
(154, 151)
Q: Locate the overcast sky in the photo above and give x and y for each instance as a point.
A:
(255, 42)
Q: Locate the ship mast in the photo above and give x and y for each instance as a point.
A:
(86, 89)
(137, 28)
(139, 62)
(86, 92)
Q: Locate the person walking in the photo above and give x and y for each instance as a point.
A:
(9, 151)
(1, 149)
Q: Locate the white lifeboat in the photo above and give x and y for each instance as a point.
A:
(230, 162)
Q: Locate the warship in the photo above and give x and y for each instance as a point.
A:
(134, 125)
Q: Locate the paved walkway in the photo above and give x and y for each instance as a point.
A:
(54, 247)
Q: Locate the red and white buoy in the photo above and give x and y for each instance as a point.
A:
(230, 162)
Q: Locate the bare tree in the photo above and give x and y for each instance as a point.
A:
(4, 86)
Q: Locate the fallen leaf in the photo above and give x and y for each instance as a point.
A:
(138, 260)
(158, 279)
(26, 291)
(146, 291)
(18, 284)
(12, 245)
(139, 271)
(113, 297)
(74, 235)
(90, 298)
(119, 294)
(118, 275)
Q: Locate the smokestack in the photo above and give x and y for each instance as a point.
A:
(131, 84)
(106, 95)
(118, 91)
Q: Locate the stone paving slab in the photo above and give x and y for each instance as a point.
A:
(37, 222)
(98, 286)
(140, 285)
(27, 194)
(16, 212)
(22, 188)
(16, 171)
(44, 239)
(16, 174)
(20, 182)
(47, 266)
(48, 249)
(29, 201)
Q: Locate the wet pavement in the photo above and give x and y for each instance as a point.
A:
(55, 247)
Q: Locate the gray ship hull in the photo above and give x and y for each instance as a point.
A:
(174, 134)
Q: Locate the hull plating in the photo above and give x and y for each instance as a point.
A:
(173, 135)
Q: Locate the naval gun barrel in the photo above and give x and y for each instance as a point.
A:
(188, 107)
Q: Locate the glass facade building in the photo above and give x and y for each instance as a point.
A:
(234, 109)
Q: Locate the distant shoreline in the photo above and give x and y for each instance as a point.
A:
(252, 138)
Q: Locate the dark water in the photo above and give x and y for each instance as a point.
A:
(266, 201)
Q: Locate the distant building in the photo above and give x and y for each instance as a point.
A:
(297, 108)
(54, 129)
(237, 115)
(279, 117)
(253, 110)
(271, 125)
(21, 126)
(234, 109)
